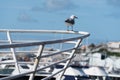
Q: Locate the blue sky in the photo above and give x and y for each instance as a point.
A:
(99, 17)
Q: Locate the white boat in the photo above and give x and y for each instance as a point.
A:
(97, 68)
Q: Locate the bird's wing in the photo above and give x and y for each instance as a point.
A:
(67, 20)
(71, 21)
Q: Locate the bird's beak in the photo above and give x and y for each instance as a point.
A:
(76, 17)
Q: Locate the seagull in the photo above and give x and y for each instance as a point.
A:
(70, 21)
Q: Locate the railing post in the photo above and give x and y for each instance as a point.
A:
(71, 56)
(13, 51)
(36, 63)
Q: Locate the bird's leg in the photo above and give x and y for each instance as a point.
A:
(67, 28)
(72, 28)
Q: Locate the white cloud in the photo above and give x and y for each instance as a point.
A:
(51, 5)
(26, 18)
(57, 4)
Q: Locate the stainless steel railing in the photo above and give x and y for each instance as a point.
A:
(9, 44)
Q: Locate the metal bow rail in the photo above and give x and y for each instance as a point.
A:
(13, 43)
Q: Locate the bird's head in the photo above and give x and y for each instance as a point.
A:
(73, 17)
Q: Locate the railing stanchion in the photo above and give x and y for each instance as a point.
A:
(13, 52)
(71, 57)
(36, 63)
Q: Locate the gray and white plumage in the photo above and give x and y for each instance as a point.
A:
(70, 21)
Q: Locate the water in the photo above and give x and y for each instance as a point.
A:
(99, 17)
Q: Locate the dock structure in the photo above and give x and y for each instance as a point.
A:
(45, 48)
